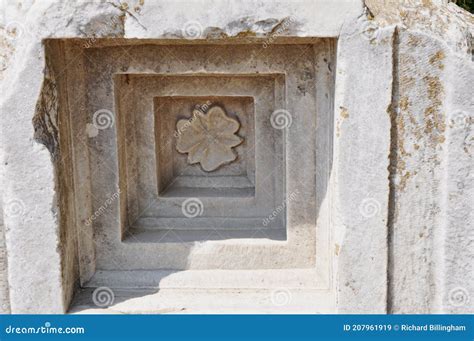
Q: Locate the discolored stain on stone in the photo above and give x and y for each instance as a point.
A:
(46, 116)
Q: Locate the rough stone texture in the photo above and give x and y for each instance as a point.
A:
(388, 170)
(458, 291)
(4, 292)
(430, 265)
(417, 158)
(362, 159)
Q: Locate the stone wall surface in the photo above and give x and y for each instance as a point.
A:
(4, 293)
(391, 88)
(429, 110)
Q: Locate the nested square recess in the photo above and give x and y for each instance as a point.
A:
(147, 230)
(176, 176)
(158, 178)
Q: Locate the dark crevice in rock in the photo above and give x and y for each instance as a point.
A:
(393, 111)
(45, 121)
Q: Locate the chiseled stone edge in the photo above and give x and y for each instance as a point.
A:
(430, 263)
(360, 168)
(4, 292)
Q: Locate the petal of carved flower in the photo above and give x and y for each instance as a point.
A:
(197, 153)
(230, 140)
(187, 136)
(220, 122)
(217, 155)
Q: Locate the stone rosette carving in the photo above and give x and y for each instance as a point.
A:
(208, 139)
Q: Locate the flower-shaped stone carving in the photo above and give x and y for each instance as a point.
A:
(208, 139)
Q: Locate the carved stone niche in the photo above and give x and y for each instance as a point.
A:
(192, 157)
(233, 199)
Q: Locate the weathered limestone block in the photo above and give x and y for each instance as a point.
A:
(361, 157)
(429, 107)
(4, 292)
(330, 171)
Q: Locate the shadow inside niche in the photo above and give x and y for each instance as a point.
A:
(103, 300)
(193, 241)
